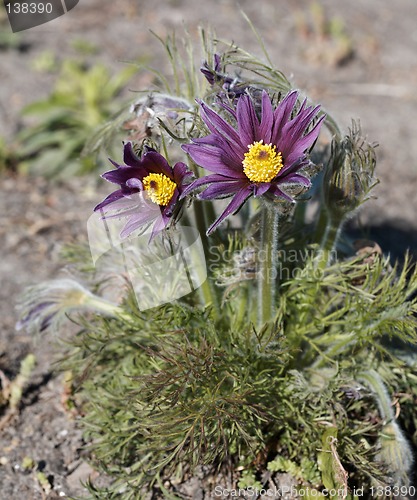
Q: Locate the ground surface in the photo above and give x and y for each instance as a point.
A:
(374, 81)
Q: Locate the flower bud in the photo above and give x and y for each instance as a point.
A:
(152, 109)
(396, 453)
(349, 175)
(45, 306)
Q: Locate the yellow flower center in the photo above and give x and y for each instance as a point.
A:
(159, 188)
(262, 162)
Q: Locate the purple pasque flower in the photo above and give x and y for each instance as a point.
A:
(212, 74)
(149, 190)
(46, 305)
(233, 87)
(259, 156)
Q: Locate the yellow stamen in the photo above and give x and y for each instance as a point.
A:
(262, 162)
(160, 188)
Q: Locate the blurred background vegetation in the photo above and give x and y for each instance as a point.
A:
(85, 95)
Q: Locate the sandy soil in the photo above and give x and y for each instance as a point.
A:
(374, 81)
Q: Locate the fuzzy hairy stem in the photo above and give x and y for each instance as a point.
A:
(322, 223)
(104, 306)
(207, 290)
(395, 450)
(374, 382)
(328, 242)
(267, 283)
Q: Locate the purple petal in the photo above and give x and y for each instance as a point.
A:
(298, 179)
(232, 155)
(237, 201)
(261, 188)
(282, 114)
(35, 314)
(267, 120)
(169, 209)
(217, 61)
(276, 191)
(229, 109)
(160, 224)
(222, 189)
(114, 163)
(129, 156)
(292, 168)
(111, 198)
(134, 184)
(131, 226)
(202, 181)
(138, 221)
(218, 125)
(214, 160)
(125, 207)
(248, 123)
(293, 131)
(305, 142)
(154, 162)
(123, 173)
(128, 212)
(207, 72)
(181, 171)
(302, 119)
